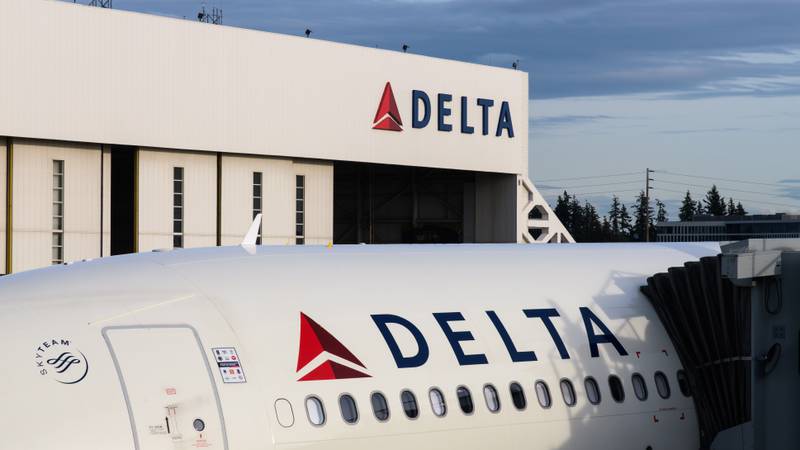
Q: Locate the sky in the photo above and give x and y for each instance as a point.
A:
(693, 89)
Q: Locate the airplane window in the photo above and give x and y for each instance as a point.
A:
(315, 411)
(662, 385)
(617, 391)
(437, 402)
(568, 392)
(683, 384)
(409, 404)
(543, 394)
(639, 387)
(380, 407)
(465, 400)
(492, 399)
(348, 407)
(592, 390)
(518, 396)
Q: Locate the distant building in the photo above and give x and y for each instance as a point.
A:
(730, 228)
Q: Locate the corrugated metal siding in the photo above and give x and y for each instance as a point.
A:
(277, 200)
(155, 198)
(33, 202)
(318, 201)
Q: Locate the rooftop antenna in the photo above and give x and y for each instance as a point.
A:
(214, 17)
(405, 48)
(308, 32)
(515, 65)
(101, 3)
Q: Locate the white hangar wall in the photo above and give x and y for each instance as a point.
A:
(100, 106)
(88, 74)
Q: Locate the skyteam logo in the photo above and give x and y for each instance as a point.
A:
(318, 346)
(57, 359)
(482, 115)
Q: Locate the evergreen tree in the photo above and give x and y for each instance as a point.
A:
(699, 210)
(688, 208)
(562, 209)
(614, 216)
(661, 211)
(740, 210)
(643, 215)
(730, 209)
(577, 224)
(624, 224)
(591, 221)
(605, 230)
(714, 203)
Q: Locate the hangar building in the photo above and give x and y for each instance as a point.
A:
(124, 132)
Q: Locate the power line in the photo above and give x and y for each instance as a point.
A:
(590, 185)
(603, 192)
(722, 179)
(771, 194)
(588, 178)
(740, 199)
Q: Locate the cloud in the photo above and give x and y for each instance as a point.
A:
(569, 119)
(790, 180)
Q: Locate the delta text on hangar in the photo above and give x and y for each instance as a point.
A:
(123, 132)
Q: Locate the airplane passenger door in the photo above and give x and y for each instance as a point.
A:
(168, 386)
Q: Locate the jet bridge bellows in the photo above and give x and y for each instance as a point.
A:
(735, 321)
(708, 320)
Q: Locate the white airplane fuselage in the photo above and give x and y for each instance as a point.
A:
(239, 347)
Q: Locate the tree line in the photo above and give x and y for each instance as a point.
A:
(623, 224)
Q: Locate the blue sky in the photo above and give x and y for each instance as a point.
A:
(698, 87)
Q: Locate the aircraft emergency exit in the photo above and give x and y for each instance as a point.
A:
(350, 347)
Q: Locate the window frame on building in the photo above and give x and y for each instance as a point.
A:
(178, 206)
(258, 200)
(57, 247)
(300, 209)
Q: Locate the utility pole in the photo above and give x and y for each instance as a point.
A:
(647, 205)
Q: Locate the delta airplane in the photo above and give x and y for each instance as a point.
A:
(345, 347)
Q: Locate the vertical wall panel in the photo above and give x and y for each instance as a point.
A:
(318, 201)
(33, 202)
(155, 198)
(106, 202)
(277, 200)
(3, 179)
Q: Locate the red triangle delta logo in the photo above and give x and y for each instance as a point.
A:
(387, 117)
(314, 341)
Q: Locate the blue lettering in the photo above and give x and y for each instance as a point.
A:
(443, 111)
(403, 362)
(465, 128)
(485, 104)
(545, 314)
(516, 356)
(607, 337)
(504, 122)
(455, 337)
(416, 97)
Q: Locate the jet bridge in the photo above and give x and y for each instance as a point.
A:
(735, 322)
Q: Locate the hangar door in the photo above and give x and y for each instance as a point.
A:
(168, 387)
